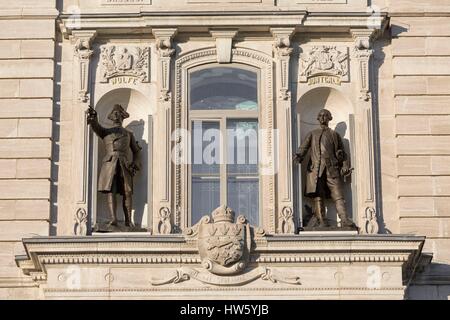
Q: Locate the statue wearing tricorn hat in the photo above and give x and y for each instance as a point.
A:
(119, 165)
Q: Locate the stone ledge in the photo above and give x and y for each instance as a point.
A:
(294, 266)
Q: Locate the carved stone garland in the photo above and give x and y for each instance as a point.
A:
(239, 55)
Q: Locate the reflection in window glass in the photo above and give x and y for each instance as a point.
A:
(242, 168)
(223, 89)
(205, 187)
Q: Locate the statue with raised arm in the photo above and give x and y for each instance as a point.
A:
(326, 170)
(119, 164)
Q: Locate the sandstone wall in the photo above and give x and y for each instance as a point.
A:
(27, 41)
(415, 132)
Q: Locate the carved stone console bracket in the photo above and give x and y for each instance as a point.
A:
(82, 40)
(282, 49)
(164, 47)
(363, 52)
(224, 42)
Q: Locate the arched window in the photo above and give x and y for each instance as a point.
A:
(223, 119)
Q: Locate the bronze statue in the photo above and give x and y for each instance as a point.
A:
(328, 165)
(119, 165)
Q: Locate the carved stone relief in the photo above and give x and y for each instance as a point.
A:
(286, 221)
(82, 50)
(224, 246)
(370, 222)
(263, 273)
(164, 224)
(118, 61)
(324, 60)
(81, 219)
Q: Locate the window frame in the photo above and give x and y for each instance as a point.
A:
(222, 116)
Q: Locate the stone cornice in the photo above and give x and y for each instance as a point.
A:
(403, 251)
(108, 22)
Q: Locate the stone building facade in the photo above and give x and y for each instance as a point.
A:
(381, 67)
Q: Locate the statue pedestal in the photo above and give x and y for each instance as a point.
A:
(107, 228)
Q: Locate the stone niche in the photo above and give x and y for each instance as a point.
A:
(140, 123)
(341, 108)
(122, 74)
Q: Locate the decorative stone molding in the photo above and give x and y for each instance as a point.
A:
(83, 51)
(370, 222)
(82, 40)
(81, 220)
(286, 223)
(209, 56)
(119, 61)
(363, 52)
(162, 263)
(263, 273)
(224, 42)
(324, 61)
(283, 115)
(165, 50)
(164, 224)
(282, 49)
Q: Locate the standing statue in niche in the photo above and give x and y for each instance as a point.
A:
(326, 170)
(119, 165)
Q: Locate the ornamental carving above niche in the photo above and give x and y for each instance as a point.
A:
(119, 61)
(324, 60)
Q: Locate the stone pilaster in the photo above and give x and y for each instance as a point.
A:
(82, 41)
(367, 191)
(164, 221)
(282, 52)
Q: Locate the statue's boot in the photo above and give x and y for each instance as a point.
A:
(112, 206)
(127, 209)
(319, 211)
(341, 209)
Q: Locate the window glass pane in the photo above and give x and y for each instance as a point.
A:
(242, 168)
(205, 147)
(224, 89)
(242, 149)
(243, 197)
(205, 196)
(205, 168)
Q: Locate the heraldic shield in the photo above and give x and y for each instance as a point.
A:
(224, 246)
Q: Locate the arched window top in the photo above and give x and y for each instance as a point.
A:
(223, 88)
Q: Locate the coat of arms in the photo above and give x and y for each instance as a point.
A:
(224, 246)
(124, 61)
